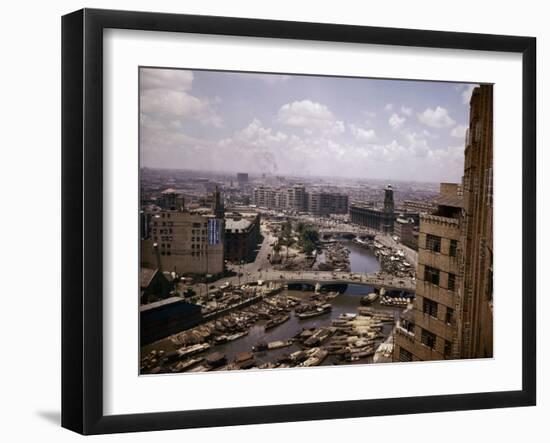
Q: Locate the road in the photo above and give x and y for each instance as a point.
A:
(260, 269)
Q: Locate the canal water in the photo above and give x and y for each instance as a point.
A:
(361, 260)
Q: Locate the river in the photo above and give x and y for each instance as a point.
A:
(361, 260)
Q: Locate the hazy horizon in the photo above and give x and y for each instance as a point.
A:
(303, 126)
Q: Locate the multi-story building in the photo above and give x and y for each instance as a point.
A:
(171, 199)
(418, 206)
(375, 218)
(324, 203)
(242, 179)
(432, 331)
(184, 242)
(296, 198)
(265, 197)
(404, 229)
(477, 234)
(242, 235)
(452, 315)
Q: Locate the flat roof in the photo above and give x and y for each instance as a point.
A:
(158, 304)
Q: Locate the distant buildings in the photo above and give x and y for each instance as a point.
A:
(242, 235)
(171, 200)
(297, 199)
(404, 228)
(325, 203)
(453, 312)
(375, 218)
(242, 179)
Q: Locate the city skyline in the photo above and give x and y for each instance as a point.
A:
(303, 126)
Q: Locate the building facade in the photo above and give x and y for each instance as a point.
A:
(242, 179)
(418, 206)
(431, 332)
(374, 218)
(297, 199)
(242, 235)
(185, 243)
(477, 233)
(325, 203)
(453, 310)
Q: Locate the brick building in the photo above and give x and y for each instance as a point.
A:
(375, 218)
(452, 315)
(242, 235)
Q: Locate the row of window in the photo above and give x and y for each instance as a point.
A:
(433, 243)
(163, 238)
(163, 231)
(430, 307)
(429, 339)
(431, 275)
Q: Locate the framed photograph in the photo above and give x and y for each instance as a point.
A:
(268, 221)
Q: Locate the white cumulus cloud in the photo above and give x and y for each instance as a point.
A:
(396, 121)
(310, 116)
(361, 134)
(436, 118)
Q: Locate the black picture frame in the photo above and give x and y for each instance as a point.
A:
(82, 190)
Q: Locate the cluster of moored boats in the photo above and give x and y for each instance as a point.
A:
(352, 337)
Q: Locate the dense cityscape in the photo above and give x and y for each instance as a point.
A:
(259, 269)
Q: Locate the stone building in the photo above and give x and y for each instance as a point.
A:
(404, 228)
(171, 199)
(185, 243)
(477, 233)
(452, 315)
(374, 218)
(242, 235)
(324, 203)
(429, 334)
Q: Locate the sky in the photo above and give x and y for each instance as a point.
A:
(298, 125)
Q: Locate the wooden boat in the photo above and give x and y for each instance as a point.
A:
(320, 310)
(369, 298)
(276, 321)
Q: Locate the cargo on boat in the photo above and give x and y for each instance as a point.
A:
(192, 350)
(319, 310)
(186, 364)
(277, 321)
(278, 344)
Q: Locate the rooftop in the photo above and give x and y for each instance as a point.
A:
(145, 276)
(237, 225)
(453, 201)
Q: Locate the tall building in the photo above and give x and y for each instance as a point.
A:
(296, 200)
(242, 235)
(171, 199)
(218, 208)
(431, 332)
(477, 233)
(324, 203)
(242, 179)
(453, 310)
(374, 218)
(185, 243)
(388, 200)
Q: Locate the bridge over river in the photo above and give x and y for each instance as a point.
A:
(376, 280)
